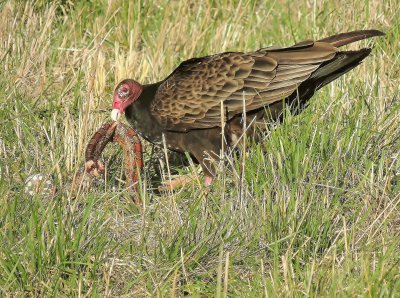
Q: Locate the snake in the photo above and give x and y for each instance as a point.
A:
(125, 136)
(128, 139)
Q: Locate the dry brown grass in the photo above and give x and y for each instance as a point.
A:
(316, 215)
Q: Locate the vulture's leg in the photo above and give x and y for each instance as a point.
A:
(177, 182)
(207, 167)
(182, 181)
(195, 142)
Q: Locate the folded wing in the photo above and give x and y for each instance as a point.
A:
(194, 95)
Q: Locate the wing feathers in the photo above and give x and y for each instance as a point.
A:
(191, 97)
(264, 63)
(318, 53)
(349, 37)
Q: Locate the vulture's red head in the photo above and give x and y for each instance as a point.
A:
(126, 93)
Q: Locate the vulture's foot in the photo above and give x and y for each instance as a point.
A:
(208, 180)
(176, 183)
(182, 181)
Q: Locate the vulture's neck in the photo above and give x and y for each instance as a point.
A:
(139, 116)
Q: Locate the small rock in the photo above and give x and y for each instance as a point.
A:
(39, 184)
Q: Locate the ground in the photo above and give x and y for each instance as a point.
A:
(311, 211)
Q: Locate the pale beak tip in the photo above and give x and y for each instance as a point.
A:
(115, 114)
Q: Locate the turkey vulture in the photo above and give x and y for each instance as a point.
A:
(188, 109)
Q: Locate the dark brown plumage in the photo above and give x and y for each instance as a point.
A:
(186, 106)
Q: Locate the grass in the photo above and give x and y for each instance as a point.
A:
(311, 211)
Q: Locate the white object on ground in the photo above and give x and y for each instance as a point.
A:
(39, 184)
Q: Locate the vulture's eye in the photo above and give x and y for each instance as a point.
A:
(123, 92)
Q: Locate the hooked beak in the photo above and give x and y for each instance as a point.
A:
(115, 114)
